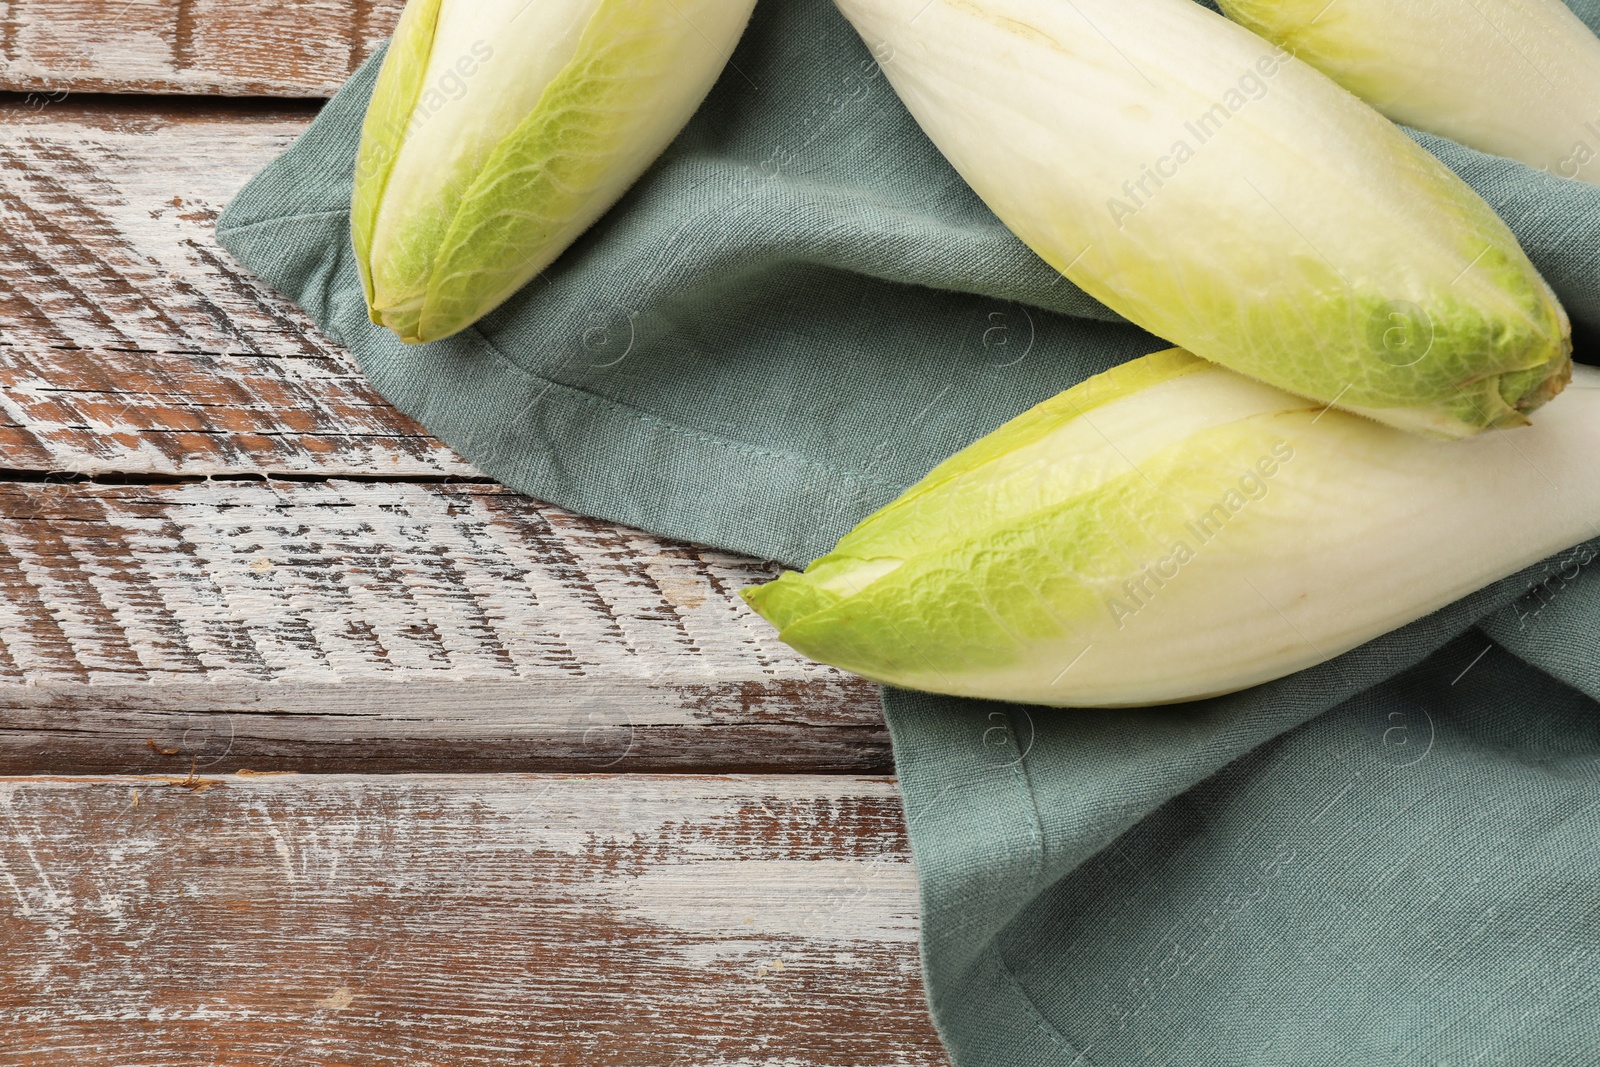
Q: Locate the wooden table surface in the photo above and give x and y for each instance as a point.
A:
(320, 748)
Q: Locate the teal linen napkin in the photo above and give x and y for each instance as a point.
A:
(1388, 859)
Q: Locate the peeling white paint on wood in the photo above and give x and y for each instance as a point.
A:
(266, 624)
(449, 919)
(328, 920)
(337, 582)
(235, 47)
(109, 216)
(132, 343)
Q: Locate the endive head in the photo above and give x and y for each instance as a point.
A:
(1171, 530)
(1518, 78)
(499, 130)
(1225, 196)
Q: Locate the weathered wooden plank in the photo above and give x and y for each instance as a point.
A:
(424, 921)
(389, 625)
(98, 412)
(232, 47)
(130, 342)
(110, 215)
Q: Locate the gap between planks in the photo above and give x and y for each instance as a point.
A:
(282, 527)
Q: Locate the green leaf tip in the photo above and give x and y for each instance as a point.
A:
(1222, 194)
(1171, 530)
(500, 131)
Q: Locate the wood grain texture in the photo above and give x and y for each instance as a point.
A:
(229, 47)
(220, 549)
(441, 921)
(385, 626)
(368, 623)
(130, 342)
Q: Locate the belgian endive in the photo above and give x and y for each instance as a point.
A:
(1519, 78)
(1171, 530)
(1233, 200)
(500, 130)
